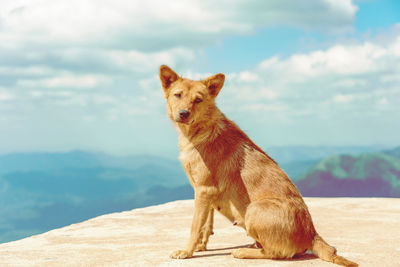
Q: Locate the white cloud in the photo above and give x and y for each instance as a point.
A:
(339, 59)
(108, 37)
(49, 49)
(52, 94)
(65, 81)
(247, 76)
(46, 44)
(349, 83)
(104, 99)
(138, 62)
(4, 96)
(26, 70)
(319, 83)
(389, 78)
(383, 101)
(155, 24)
(395, 47)
(260, 107)
(343, 98)
(267, 93)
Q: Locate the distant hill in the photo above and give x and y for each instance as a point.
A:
(290, 154)
(393, 152)
(296, 160)
(296, 169)
(369, 174)
(43, 191)
(22, 162)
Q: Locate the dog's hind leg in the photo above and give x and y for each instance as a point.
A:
(254, 253)
(282, 227)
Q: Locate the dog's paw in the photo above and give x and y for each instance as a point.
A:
(201, 247)
(180, 254)
(238, 253)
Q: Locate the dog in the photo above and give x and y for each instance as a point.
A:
(231, 174)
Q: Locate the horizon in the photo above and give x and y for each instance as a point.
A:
(327, 77)
(374, 147)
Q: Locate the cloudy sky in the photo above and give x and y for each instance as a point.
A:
(83, 74)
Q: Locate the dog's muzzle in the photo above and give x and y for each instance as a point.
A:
(183, 116)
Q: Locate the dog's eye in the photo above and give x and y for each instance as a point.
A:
(178, 95)
(198, 100)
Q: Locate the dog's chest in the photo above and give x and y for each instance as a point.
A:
(196, 169)
(199, 173)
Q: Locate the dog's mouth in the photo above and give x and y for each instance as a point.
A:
(184, 121)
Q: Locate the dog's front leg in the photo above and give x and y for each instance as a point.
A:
(206, 231)
(202, 206)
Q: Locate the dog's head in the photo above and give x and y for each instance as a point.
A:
(189, 101)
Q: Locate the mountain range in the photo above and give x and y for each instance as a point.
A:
(43, 191)
(366, 175)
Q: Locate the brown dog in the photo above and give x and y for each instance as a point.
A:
(233, 175)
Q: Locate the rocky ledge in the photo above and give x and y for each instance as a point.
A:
(364, 230)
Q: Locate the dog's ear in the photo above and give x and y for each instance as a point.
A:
(215, 83)
(167, 77)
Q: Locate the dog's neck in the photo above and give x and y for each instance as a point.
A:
(201, 132)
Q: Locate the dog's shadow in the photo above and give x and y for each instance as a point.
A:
(301, 257)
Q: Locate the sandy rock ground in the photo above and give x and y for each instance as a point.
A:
(365, 230)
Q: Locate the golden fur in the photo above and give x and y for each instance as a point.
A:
(231, 174)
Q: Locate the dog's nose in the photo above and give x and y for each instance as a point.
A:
(183, 114)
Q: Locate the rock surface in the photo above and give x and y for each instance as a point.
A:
(365, 230)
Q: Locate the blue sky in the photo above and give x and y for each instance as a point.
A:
(83, 74)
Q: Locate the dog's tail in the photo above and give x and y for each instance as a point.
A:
(328, 253)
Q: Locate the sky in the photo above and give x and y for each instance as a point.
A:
(84, 74)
